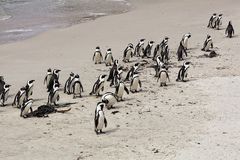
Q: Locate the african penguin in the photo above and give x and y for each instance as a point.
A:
(77, 87)
(54, 79)
(139, 49)
(27, 106)
(99, 119)
(29, 88)
(229, 30)
(135, 83)
(185, 39)
(4, 94)
(164, 50)
(120, 88)
(98, 85)
(148, 50)
(159, 65)
(211, 21)
(108, 57)
(181, 50)
(53, 95)
(47, 77)
(182, 74)
(218, 21)
(97, 56)
(207, 44)
(1, 84)
(113, 70)
(20, 98)
(163, 76)
(133, 69)
(109, 99)
(68, 83)
(128, 53)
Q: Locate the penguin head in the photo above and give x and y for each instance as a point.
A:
(102, 77)
(142, 40)
(105, 101)
(115, 63)
(77, 76)
(220, 15)
(31, 82)
(187, 64)
(130, 45)
(230, 23)
(6, 86)
(214, 14)
(49, 70)
(151, 43)
(56, 71)
(97, 49)
(109, 50)
(23, 89)
(208, 36)
(71, 74)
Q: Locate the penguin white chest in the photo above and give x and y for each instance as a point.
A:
(77, 88)
(97, 57)
(120, 90)
(100, 120)
(128, 55)
(55, 97)
(109, 58)
(26, 109)
(21, 99)
(163, 77)
(135, 83)
(111, 100)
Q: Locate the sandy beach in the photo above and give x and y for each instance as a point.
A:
(198, 119)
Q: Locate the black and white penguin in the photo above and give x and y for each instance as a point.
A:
(97, 56)
(218, 21)
(4, 94)
(207, 44)
(77, 87)
(2, 83)
(229, 30)
(164, 50)
(100, 120)
(181, 51)
(139, 49)
(135, 83)
(185, 39)
(182, 74)
(53, 95)
(159, 65)
(27, 106)
(20, 98)
(148, 50)
(108, 57)
(163, 76)
(212, 20)
(54, 79)
(98, 85)
(113, 70)
(120, 88)
(117, 77)
(133, 69)
(29, 88)
(109, 99)
(47, 77)
(68, 82)
(128, 53)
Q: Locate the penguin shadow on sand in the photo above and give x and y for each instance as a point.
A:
(107, 132)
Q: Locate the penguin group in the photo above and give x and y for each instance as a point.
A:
(158, 56)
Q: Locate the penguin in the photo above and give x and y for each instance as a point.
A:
(182, 74)
(2, 83)
(47, 77)
(211, 21)
(54, 79)
(185, 39)
(53, 95)
(133, 69)
(120, 88)
(108, 57)
(139, 49)
(148, 50)
(128, 53)
(163, 76)
(109, 99)
(159, 65)
(68, 82)
(164, 50)
(218, 21)
(99, 120)
(98, 85)
(97, 56)
(207, 44)
(117, 77)
(27, 106)
(77, 87)
(113, 70)
(181, 50)
(229, 30)
(135, 83)
(4, 94)
(156, 52)
(29, 88)
(20, 98)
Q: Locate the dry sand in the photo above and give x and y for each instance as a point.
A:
(194, 120)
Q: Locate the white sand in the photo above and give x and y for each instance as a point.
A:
(194, 120)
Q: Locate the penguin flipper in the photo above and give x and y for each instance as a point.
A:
(105, 122)
(140, 83)
(96, 120)
(126, 89)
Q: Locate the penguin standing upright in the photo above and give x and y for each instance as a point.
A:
(207, 44)
(159, 65)
(135, 83)
(2, 83)
(128, 53)
(98, 85)
(113, 70)
(117, 76)
(97, 56)
(120, 88)
(99, 120)
(164, 50)
(182, 74)
(53, 95)
(211, 21)
(139, 49)
(109, 99)
(108, 57)
(54, 79)
(77, 87)
(19, 98)
(148, 50)
(27, 106)
(68, 82)
(181, 50)
(218, 21)
(133, 69)
(185, 39)
(47, 77)
(156, 52)
(229, 30)
(163, 76)
(29, 88)
(4, 94)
